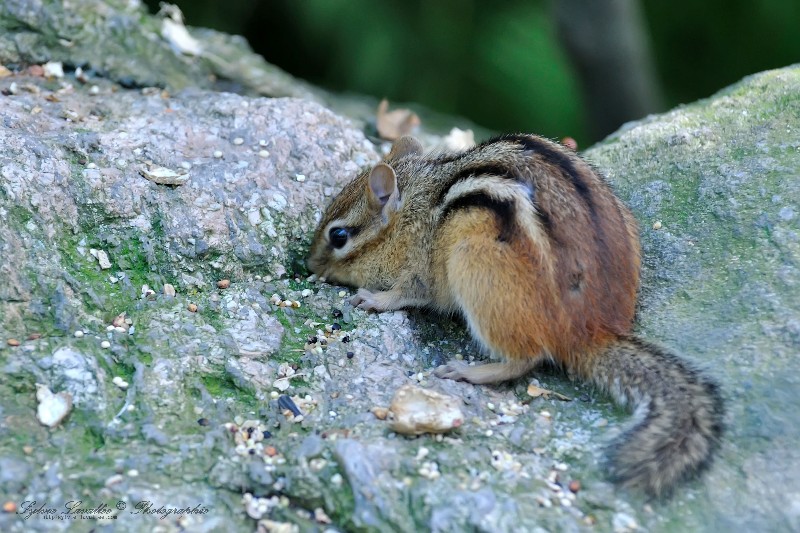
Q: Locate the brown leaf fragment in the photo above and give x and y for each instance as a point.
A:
(394, 124)
(535, 392)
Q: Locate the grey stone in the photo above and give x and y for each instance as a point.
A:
(720, 285)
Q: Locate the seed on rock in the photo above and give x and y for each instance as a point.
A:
(306, 293)
(300, 177)
(169, 290)
(238, 140)
(203, 421)
(350, 355)
(224, 283)
(192, 308)
(34, 336)
(574, 486)
(657, 224)
(270, 451)
(218, 154)
(263, 154)
(118, 321)
(380, 412)
(78, 334)
(10, 507)
(286, 402)
(13, 342)
(342, 294)
(105, 344)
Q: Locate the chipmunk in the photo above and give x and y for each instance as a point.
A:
(528, 243)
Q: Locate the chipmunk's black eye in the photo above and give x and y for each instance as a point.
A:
(338, 237)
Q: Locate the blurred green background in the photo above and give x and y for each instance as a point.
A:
(560, 68)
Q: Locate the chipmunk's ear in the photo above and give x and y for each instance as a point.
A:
(382, 192)
(404, 146)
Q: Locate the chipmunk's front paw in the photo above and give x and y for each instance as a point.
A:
(366, 300)
(455, 370)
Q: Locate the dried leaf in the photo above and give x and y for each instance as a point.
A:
(459, 140)
(394, 124)
(535, 392)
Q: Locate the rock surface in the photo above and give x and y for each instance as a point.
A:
(178, 400)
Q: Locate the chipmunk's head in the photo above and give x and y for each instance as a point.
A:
(346, 245)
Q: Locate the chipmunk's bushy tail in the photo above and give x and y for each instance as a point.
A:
(679, 415)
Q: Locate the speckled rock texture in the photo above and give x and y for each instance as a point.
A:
(183, 418)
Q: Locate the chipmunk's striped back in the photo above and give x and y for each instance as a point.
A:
(542, 192)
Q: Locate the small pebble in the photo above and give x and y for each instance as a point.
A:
(263, 154)
(78, 334)
(186, 165)
(94, 89)
(105, 344)
(132, 472)
(350, 355)
(262, 142)
(342, 294)
(300, 177)
(306, 292)
(574, 486)
(238, 140)
(10, 507)
(218, 154)
(203, 421)
(192, 308)
(12, 342)
(657, 224)
(224, 283)
(169, 290)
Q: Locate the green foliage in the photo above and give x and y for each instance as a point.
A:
(497, 63)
